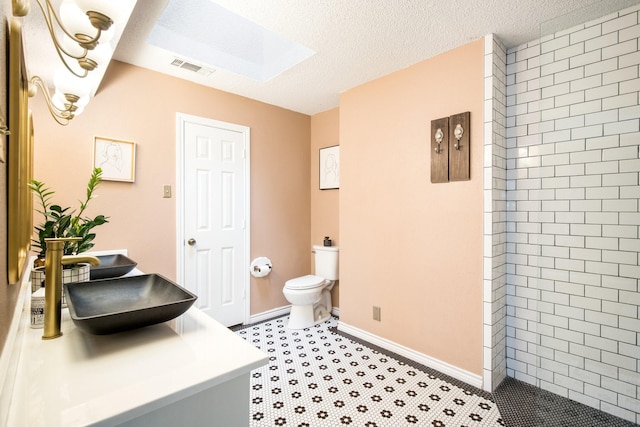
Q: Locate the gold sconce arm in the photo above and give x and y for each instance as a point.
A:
(86, 42)
(87, 27)
(86, 45)
(60, 50)
(61, 116)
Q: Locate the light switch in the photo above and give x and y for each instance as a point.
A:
(166, 191)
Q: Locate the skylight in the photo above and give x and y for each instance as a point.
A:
(210, 34)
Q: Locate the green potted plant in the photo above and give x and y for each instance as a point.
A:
(64, 222)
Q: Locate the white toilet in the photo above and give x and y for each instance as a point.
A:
(310, 295)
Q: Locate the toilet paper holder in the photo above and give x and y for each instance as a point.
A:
(260, 267)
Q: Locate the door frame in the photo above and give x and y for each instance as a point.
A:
(181, 120)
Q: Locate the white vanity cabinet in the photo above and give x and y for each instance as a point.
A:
(191, 371)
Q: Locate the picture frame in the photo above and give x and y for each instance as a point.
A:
(19, 159)
(116, 158)
(329, 169)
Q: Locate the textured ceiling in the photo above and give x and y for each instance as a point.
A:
(356, 40)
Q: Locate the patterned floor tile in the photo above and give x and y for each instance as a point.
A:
(321, 377)
(318, 377)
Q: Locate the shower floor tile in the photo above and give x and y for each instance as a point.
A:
(318, 377)
(523, 405)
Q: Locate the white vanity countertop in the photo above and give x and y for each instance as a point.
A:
(104, 380)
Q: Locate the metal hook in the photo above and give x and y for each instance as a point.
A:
(438, 136)
(457, 132)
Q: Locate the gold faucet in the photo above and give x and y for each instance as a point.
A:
(54, 260)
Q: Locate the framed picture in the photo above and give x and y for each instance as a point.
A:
(330, 168)
(116, 158)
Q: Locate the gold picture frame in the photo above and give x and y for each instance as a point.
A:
(20, 159)
(116, 158)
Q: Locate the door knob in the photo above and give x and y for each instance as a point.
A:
(191, 241)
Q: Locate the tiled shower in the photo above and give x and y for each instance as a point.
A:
(562, 217)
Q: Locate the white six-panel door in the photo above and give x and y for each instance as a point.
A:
(214, 198)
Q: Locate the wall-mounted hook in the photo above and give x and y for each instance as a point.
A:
(459, 155)
(439, 136)
(458, 132)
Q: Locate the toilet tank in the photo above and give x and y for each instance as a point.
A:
(326, 261)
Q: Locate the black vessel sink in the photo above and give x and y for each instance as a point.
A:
(112, 266)
(108, 306)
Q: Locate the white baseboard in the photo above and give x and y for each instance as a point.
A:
(453, 371)
(269, 314)
(280, 311)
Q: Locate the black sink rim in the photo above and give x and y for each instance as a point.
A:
(160, 312)
(109, 271)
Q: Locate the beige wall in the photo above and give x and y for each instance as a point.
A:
(412, 247)
(325, 132)
(139, 105)
(409, 246)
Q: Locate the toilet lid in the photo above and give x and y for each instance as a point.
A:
(304, 282)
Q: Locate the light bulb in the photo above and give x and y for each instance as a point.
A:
(75, 20)
(58, 100)
(78, 111)
(67, 83)
(114, 9)
(107, 36)
(70, 47)
(101, 54)
(82, 102)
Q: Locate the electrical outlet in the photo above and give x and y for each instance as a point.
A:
(376, 313)
(166, 191)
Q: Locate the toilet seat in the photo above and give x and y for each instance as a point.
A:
(305, 282)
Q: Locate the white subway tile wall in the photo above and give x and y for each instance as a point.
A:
(495, 214)
(571, 137)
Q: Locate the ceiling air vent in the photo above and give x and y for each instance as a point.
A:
(180, 63)
(190, 67)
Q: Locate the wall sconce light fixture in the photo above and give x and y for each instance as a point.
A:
(69, 99)
(80, 31)
(86, 26)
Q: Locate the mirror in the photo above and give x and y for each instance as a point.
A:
(20, 158)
